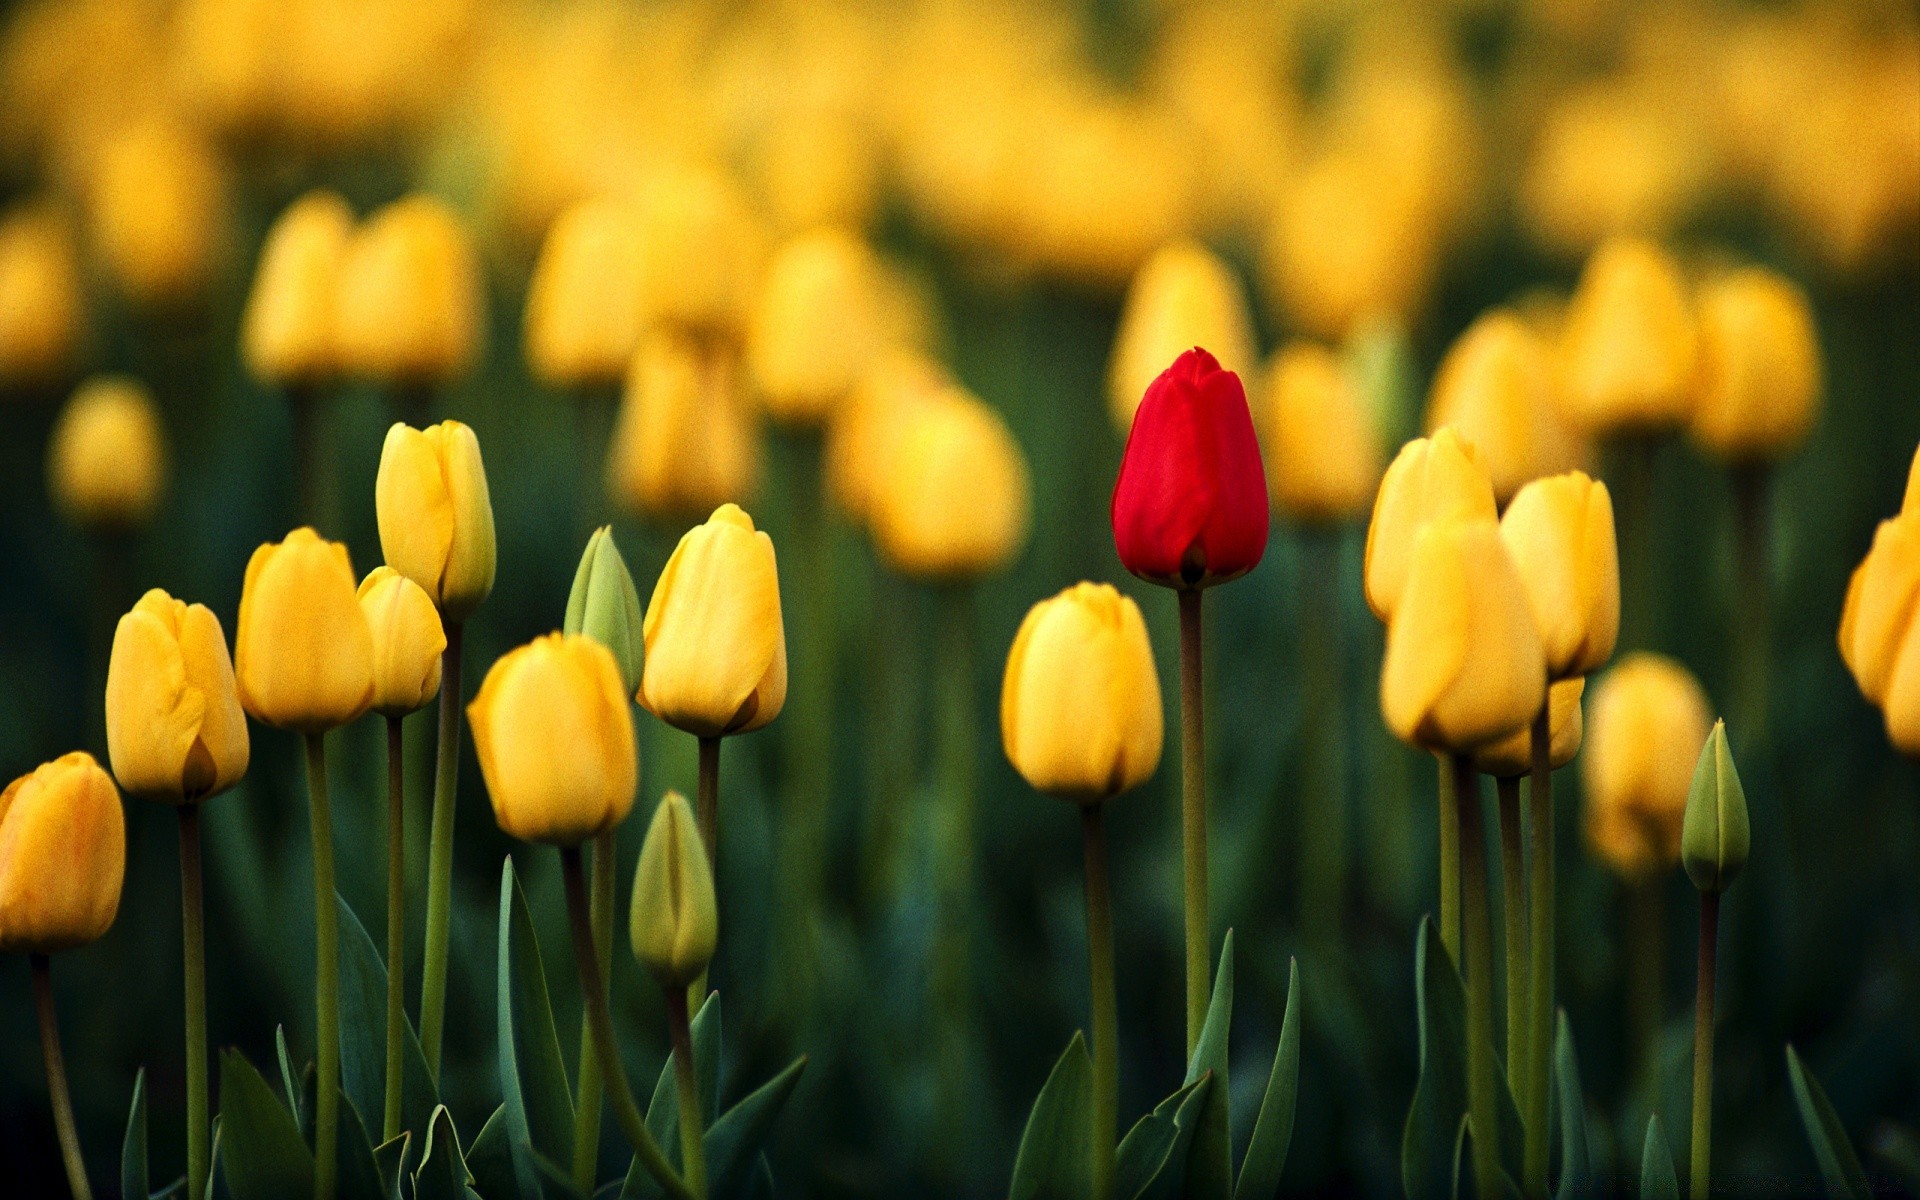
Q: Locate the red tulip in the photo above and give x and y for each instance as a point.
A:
(1190, 506)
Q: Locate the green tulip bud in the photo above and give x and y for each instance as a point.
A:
(1713, 839)
(604, 605)
(675, 920)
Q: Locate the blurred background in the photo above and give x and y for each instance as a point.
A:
(1368, 177)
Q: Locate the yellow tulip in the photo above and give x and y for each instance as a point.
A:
(63, 856)
(1560, 533)
(1628, 351)
(674, 922)
(554, 735)
(818, 320)
(303, 653)
(1464, 665)
(955, 501)
(1324, 452)
(435, 515)
(684, 441)
(1644, 733)
(1760, 366)
(864, 434)
(1609, 158)
(1912, 502)
(1432, 479)
(407, 642)
(716, 650)
(157, 212)
(819, 166)
(411, 311)
(107, 462)
(1080, 713)
(702, 251)
(1512, 756)
(1184, 296)
(1880, 627)
(175, 729)
(584, 300)
(1496, 387)
(42, 299)
(287, 332)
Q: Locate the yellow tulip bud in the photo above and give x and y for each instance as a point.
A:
(107, 462)
(156, 208)
(955, 502)
(1560, 533)
(1324, 452)
(1080, 712)
(42, 300)
(675, 919)
(411, 312)
(716, 650)
(1183, 296)
(287, 333)
(175, 729)
(684, 442)
(1496, 387)
(1463, 665)
(702, 251)
(1760, 367)
(1432, 479)
(1512, 756)
(864, 434)
(1880, 627)
(584, 300)
(303, 653)
(1644, 733)
(817, 322)
(435, 516)
(1628, 351)
(554, 734)
(63, 856)
(407, 642)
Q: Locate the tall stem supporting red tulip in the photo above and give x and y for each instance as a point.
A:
(1701, 1143)
(1483, 1079)
(396, 928)
(1193, 815)
(693, 1154)
(326, 1000)
(446, 784)
(1541, 904)
(1514, 915)
(57, 1080)
(592, 1089)
(1106, 1035)
(1449, 807)
(193, 943)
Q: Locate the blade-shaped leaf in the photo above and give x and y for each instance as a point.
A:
(533, 1079)
(734, 1142)
(289, 1078)
(1839, 1165)
(1273, 1128)
(391, 1158)
(262, 1156)
(363, 1035)
(663, 1110)
(1576, 1160)
(133, 1148)
(489, 1160)
(1657, 1178)
(357, 1178)
(1432, 1133)
(443, 1169)
(1157, 1139)
(1056, 1151)
(1210, 1159)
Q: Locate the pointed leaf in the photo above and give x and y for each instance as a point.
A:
(489, 1160)
(262, 1156)
(735, 1141)
(1273, 1128)
(288, 1075)
(363, 1035)
(1056, 1150)
(1839, 1165)
(443, 1170)
(1576, 1160)
(1432, 1132)
(533, 1079)
(356, 1176)
(663, 1110)
(390, 1158)
(1210, 1160)
(1657, 1178)
(133, 1147)
(1158, 1139)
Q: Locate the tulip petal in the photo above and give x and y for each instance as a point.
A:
(153, 714)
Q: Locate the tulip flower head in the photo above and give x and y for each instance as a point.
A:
(955, 501)
(175, 730)
(1629, 348)
(818, 321)
(1190, 505)
(1880, 628)
(1184, 295)
(675, 919)
(1560, 533)
(107, 460)
(716, 650)
(303, 652)
(685, 440)
(435, 516)
(411, 311)
(407, 642)
(864, 436)
(1512, 756)
(605, 606)
(63, 856)
(287, 334)
(42, 298)
(156, 200)
(584, 301)
(1645, 728)
(1324, 454)
(1496, 386)
(1435, 478)
(1714, 836)
(1760, 367)
(554, 734)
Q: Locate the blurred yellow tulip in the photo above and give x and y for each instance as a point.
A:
(818, 166)
(1512, 756)
(584, 301)
(407, 642)
(175, 729)
(702, 250)
(684, 442)
(674, 921)
(63, 856)
(287, 334)
(818, 319)
(1432, 479)
(554, 734)
(435, 515)
(1629, 347)
(1609, 159)
(107, 460)
(1351, 241)
(1184, 296)
(1644, 733)
(411, 311)
(1080, 712)
(1912, 502)
(157, 212)
(303, 653)
(1324, 451)
(42, 299)
(1760, 366)
(1496, 387)
(955, 501)
(716, 650)
(1560, 533)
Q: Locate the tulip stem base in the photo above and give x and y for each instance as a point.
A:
(446, 783)
(1106, 1044)
(1701, 1143)
(1477, 946)
(326, 1000)
(1449, 861)
(1515, 921)
(1193, 815)
(193, 942)
(1541, 962)
(396, 927)
(693, 1155)
(57, 1080)
(586, 1107)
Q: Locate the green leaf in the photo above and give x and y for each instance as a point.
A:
(1158, 1139)
(1657, 1178)
(735, 1141)
(533, 1078)
(287, 1074)
(358, 1178)
(262, 1156)
(1266, 1154)
(443, 1169)
(1055, 1161)
(663, 1110)
(1210, 1160)
(133, 1148)
(1576, 1160)
(390, 1160)
(363, 1035)
(1431, 1137)
(489, 1160)
(216, 1175)
(1839, 1165)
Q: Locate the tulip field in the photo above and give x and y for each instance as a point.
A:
(958, 598)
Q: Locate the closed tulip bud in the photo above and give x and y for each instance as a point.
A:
(411, 312)
(407, 642)
(175, 729)
(864, 436)
(1183, 296)
(604, 606)
(1464, 665)
(1324, 452)
(156, 208)
(435, 516)
(1190, 505)
(287, 335)
(955, 502)
(303, 653)
(42, 299)
(1496, 387)
(684, 442)
(63, 856)
(1629, 347)
(1560, 533)
(554, 734)
(675, 918)
(1645, 728)
(1512, 756)
(1432, 479)
(584, 300)
(1080, 712)
(716, 650)
(107, 462)
(1714, 834)
(1760, 367)
(818, 321)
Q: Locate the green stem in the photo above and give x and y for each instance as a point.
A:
(326, 1000)
(1646, 976)
(693, 1154)
(1193, 816)
(1449, 861)
(1477, 945)
(446, 781)
(1322, 810)
(1540, 874)
(1639, 596)
(396, 928)
(1106, 1044)
(586, 1107)
(600, 1020)
(709, 796)
(1751, 486)
(312, 457)
(953, 853)
(57, 1080)
(193, 942)
(1701, 1143)
(1513, 896)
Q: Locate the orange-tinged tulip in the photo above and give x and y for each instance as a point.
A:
(1324, 451)
(1512, 757)
(817, 322)
(1647, 722)
(955, 502)
(107, 460)
(1184, 296)
(175, 729)
(411, 310)
(584, 313)
(287, 334)
(42, 299)
(1432, 479)
(1560, 533)
(407, 642)
(303, 654)
(1496, 387)
(1629, 347)
(63, 856)
(435, 514)
(1760, 367)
